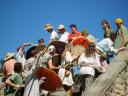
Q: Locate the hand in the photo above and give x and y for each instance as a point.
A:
(67, 73)
(74, 57)
(42, 80)
(59, 67)
(103, 70)
(121, 48)
(27, 44)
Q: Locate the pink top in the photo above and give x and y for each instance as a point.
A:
(8, 67)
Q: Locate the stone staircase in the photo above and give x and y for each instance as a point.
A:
(115, 81)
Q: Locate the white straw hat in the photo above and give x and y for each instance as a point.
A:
(48, 26)
(61, 26)
(9, 55)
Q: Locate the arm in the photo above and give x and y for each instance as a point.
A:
(70, 37)
(123, 40)
(124, 33)
(81, 60)
(98, 65)
(112, 49)
(9, 82)
(51, 66)
(4, 71)
(68, 57)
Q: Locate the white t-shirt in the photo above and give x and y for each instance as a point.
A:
(54, 36)
(64, 37)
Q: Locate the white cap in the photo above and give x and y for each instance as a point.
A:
(51, 48)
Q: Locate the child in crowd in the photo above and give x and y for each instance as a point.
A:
(14, 81)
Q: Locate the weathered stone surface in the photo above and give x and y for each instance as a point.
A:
(115, 81)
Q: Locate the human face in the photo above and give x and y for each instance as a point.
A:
(104, 25)
(49, 30)
(118, 25)
(85, 35)
(61, 31)
(73, 29)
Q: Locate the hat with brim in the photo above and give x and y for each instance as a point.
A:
(9, 55)
(84, 31)
(48, 26)
(119, 21)
(61, 27)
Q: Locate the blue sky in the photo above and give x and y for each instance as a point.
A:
(23, 20)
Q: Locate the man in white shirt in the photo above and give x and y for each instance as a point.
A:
(54, 36)
(64, 34)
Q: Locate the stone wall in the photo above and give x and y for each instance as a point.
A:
(115, 81)
(120, 86)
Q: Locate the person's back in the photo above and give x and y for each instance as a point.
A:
(106, 46)
(8, 65)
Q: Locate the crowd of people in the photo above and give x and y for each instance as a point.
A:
(21, 71)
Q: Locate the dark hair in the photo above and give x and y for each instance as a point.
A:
(73, 25)
(113, 36)
(41, 40)
(106, 22)
(90, 50)
(18, 67)
(33, 53)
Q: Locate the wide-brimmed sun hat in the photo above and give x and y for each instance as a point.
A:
(61, 26)
(9, 55)
(48, 26)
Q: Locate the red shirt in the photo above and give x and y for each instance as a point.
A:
(72, 36)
